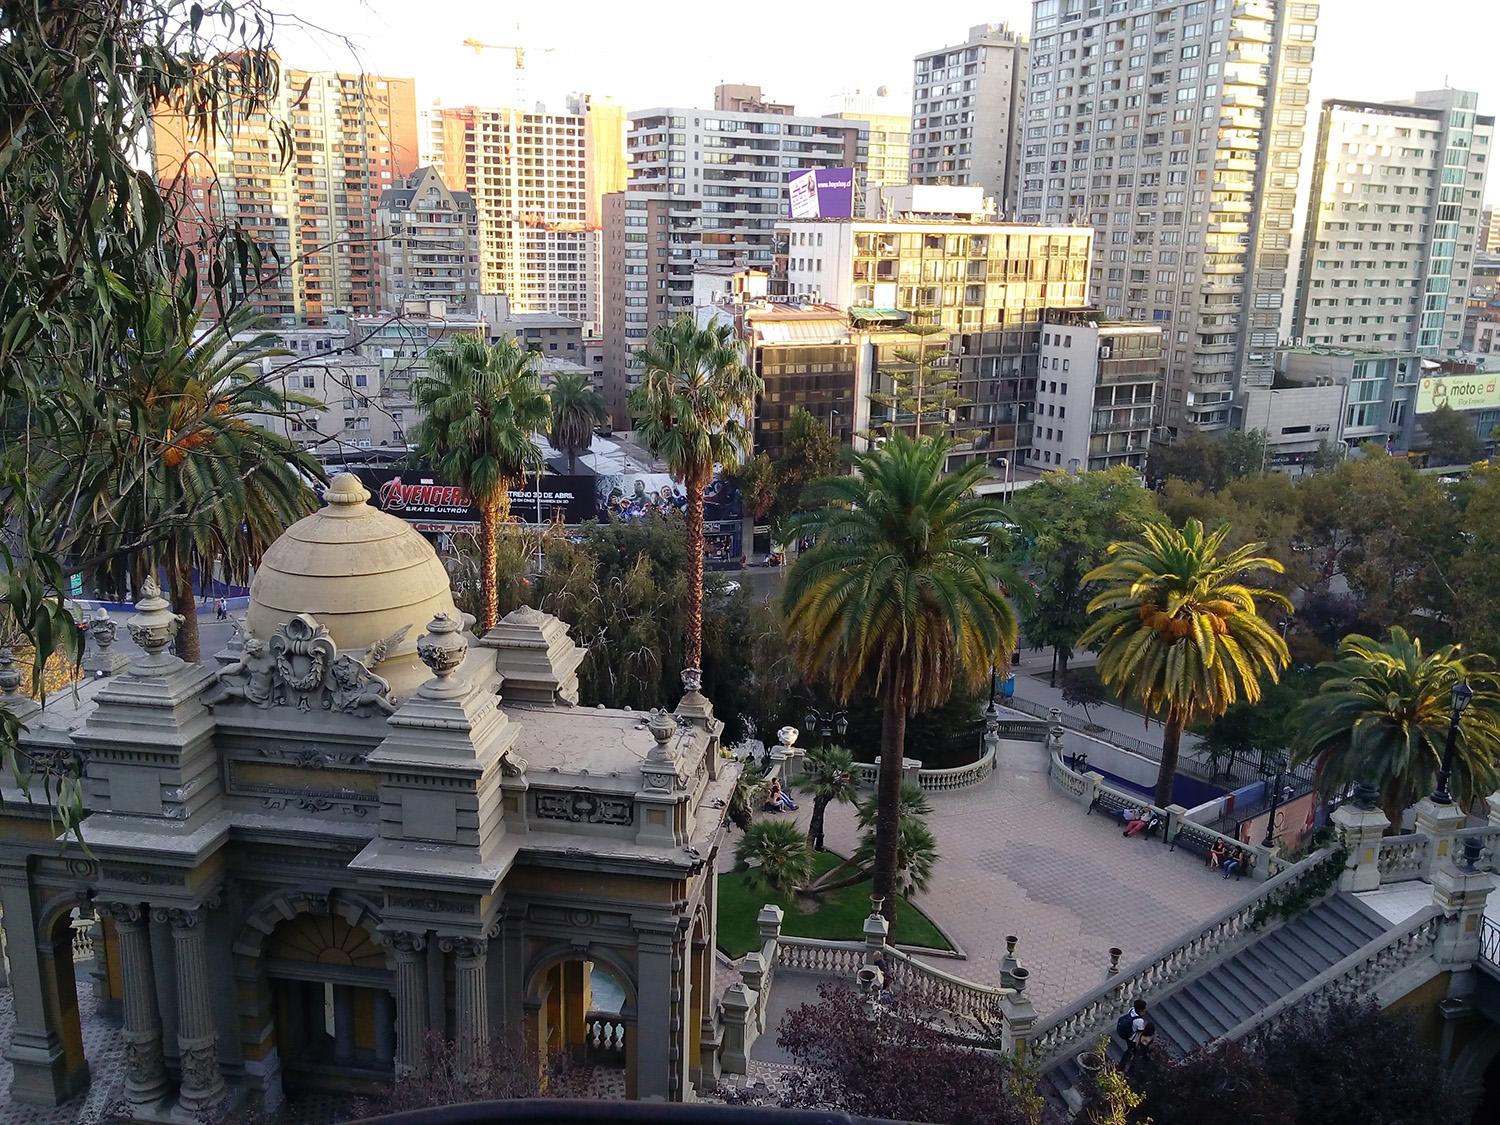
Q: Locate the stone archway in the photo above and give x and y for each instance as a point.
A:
(580, 1001)
(315, 990)
(1475, 1070)
(58, 980)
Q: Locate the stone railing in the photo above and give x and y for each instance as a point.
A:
(742, 1010)
(1021, 730)
(937, 781)
(604, 1038)
(1068, 780)
(1095, 1013)
(1357, 975)
(1402, 858)
(811, 955)
(1488, 838)
(934, 988)
(83, 939)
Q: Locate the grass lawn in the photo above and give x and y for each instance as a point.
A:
(840, 914)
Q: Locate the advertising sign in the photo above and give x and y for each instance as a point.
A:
(428, 503)
(821, 193)
(1478, 391)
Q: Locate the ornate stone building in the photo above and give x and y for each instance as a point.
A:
(362, 827)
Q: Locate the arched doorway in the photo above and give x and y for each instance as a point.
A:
(332, 1002)
(66, 939)
(580, 1012)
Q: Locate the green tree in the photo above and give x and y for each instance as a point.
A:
(687, 409)
(756, 478)
(1451, 438)
(809, 453)
(916, 854)
(480, 407)
(900, 595)
(1382, 717)
(1470, 572)
(189, 444)
(1069, 522)
(1179, 630)
(576, 409)
(827, 776)
(922, 394)
(777, 854)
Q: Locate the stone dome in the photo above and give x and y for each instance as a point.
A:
(361, 573)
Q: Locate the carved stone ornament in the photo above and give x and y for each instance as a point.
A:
(200, 1065)
(406, 941)
(143, 1058)
(465, 947)
(102, 629)
(10, 675)
(513, 765)
(304, 653)
(443, 649)
(357, 690)
(252, 677)
(662, 726)
(692, 679)
(526, 615)
(154, 625)
(585, 808)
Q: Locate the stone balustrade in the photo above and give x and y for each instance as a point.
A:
(1488, 838)
(1402, 858)
(933, 988)
(604, 1038)
(938, 781)
(813, 955)
(1095, 1014)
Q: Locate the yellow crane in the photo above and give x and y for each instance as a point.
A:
(520, 52)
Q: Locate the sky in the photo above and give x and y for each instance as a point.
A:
(651, 53)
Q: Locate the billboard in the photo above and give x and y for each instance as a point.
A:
(1477, 391)
(821, 193)
(429, 504)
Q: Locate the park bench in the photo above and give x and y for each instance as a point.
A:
(1190, 837)
(1114, 805)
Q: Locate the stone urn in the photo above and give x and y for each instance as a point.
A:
(1090, 1063)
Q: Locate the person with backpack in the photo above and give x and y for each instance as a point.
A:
(1129, 1026)
(1139, 1044)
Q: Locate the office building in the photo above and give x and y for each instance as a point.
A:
(1175, 129)
(705, 186)
(550, 335)
(985, 284)
(529, 175)
(1098, 388)
(1395, 206)
(888, 149)
(427, 240)
(312, 213)
(1489, 231)
(1482, 313)
(967, 102)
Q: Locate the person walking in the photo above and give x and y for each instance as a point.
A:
(1139, 1045)
(1129, 1026)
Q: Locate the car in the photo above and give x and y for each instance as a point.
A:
(731, 587)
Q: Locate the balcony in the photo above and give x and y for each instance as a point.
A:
(1250, 31)
(1228, 209)
(1229, 227)
(1248, 54)
(1234, 164)
(1252, 10)
(1215, 349)
(1244, 100)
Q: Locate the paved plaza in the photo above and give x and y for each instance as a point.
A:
(1019, 858)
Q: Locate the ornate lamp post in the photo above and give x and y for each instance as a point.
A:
(825, 723)
(1278, 763)
(1462, 695)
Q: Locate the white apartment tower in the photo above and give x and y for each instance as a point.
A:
(1392, 221)
(427, 243)
(1175, 128)
(967, 103)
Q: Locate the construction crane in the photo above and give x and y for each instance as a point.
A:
(520, 52)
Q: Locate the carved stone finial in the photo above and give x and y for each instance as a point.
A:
(154, 625)
(662, 726)
(102, 629)
(10, 675)
(443, 648)
(692, 679)
(787, 736)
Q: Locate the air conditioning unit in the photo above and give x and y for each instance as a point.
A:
(1104, 351)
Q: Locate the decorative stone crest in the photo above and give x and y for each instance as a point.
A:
(585, 808)
(304, 652)
(154, 626)
(443, 648)
(302, 666)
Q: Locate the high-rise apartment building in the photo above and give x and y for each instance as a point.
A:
(427, 239)
(529, 173)
(705, 186)
(1397, 192)
(1175, 128)
(888, 150)
(353, 136)
(736, 97)
(1489, 231)
(967, 102)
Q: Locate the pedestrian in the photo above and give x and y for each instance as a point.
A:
(1136, 820)
(1128, 1026)
(222, 609)
(1139, 1044)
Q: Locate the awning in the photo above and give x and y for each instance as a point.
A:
(894, 315)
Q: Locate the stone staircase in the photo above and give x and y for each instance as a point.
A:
(1249, 980)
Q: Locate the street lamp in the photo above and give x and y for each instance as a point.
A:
(825, 723)
(832, 414)
(1279, 764)
(1462, 695)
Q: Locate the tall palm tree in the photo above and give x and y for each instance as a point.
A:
(827, 776)
(916, 853)
(900, 596)
(576, 409)
(689, 409)
(777, 852)
(480, 407)
(1180, 631)
(1382, 717)
(194, 476)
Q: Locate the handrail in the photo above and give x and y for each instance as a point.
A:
(939, 780)
(1095, 1012)
(1489, 941)
(1402, 858)
(944, 990)
(1357, 974)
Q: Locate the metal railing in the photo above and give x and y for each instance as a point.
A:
(1489, 942)
(1073, 722)
(1095, 1014)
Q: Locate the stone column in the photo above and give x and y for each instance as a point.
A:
(385, 1027)
(197, 1032)
(145, 1070)
(470, 1001)
(654, 1031)
(411, 999)
(1440, 824)
(1360, 826)
(41, 1074)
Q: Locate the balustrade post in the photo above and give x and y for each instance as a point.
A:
(877, 930)
(1460, 890)
(1360, 825)
(1095, 782)
(1440, 824)
(1018, 1016)
(1176, 814)
(768, 924)
(734, 1056)
(1492, 803)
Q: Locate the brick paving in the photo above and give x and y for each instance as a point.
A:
(1017, 857)
(102, 1046)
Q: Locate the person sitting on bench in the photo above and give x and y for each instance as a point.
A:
(1233, 864)
(1137, 820)
(1216, 853)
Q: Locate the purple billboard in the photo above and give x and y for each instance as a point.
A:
(821, 193)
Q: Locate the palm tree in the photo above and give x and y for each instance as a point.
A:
(1180, 631)
(1382, 717)
(916, 854)
(480, 407)
(689, 409)
(576, 409)
(777, 852)
(900, 596)
(190, 468)
(828, 775)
